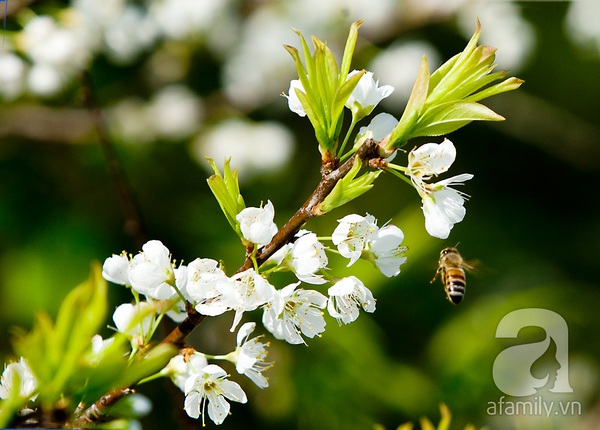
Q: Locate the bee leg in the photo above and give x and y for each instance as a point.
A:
(436, 275)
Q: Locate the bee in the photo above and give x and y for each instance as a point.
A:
(452, 269)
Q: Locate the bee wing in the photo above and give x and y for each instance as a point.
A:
(473, 266)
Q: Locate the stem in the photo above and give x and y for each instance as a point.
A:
(401, 176)
(352, 125)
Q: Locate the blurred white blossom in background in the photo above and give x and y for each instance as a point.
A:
(583, 24)
(12, 76)
(398, 66)
(173, 113)
(254, 148)
(248, 60)
(505, 30)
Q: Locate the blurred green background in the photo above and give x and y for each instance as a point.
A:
(177, 80)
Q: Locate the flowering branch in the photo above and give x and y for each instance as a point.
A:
(69, 355)
(309, 209)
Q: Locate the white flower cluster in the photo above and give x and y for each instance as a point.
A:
(443, 206)
(291, 313)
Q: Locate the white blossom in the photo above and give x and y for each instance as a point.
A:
(151, 272)
(430, 159)
(293, 101)
(442, 206)
(387, 250)
(293, 313)
(380, 126)
(182, 366)
(45, 80)
(115, 269)
(211, 386)
(209, 287)
(11, 79)
(18, 373)
(250, 290)
(352, 235)
(257, 224)
(308, 257)
(366, 95)
(249, 356)
(255, 148)
(99, 345)
(137, 321)
(175, 112)
(345, 298)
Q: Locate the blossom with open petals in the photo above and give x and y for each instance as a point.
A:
(257, 224)
(249, 356)
(293, 313)
(442, 206)
(211, 387)
(151, 272)
(209, 287)
(352, 235)
(366, 95)
(430, 159)
(387, 251)
(308, 257)
(250, 290)
(182, 366)
(345, 298)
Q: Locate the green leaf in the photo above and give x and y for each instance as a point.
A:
(451, 116)
(302, 73)
(349, 187)
(509, 84)
(308, 59)
(325, 87)
(403, 130)
(53, 352)
(341, 97)
(315, 120)
(226, 190)
(148, 365)
(349, 51)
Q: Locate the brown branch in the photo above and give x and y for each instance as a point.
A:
(309, 208)
(96, 412)
(178, 336)
(286, 234)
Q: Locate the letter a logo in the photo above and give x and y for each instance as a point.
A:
(512, 367)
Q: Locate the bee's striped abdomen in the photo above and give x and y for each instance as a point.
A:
(454, 281)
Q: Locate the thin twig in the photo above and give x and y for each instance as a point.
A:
(133, 225)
